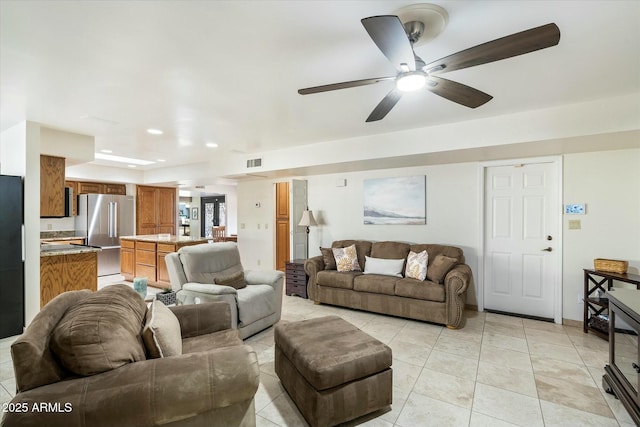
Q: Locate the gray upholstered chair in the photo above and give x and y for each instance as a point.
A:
(213, 272)
(82, 362)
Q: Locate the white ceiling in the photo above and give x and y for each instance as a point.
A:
(228, 71)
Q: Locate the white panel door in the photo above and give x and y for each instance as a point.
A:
(521, 232)
(299, 241)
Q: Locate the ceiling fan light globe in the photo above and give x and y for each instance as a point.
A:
(411, 82)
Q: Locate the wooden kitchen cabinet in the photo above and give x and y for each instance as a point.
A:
(85, 187)
(116, 189)
(166, 210)
(127, 259)
(90, 188)
(62, 273)
(52, 186)
(143, 256)
(145, 260)
(155, 210)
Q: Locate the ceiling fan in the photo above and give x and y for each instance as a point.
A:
(396, 41)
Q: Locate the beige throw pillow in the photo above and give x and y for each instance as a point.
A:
(235, 280)
(161, 333)
(417, 265)
(346, 258)
(439, 268)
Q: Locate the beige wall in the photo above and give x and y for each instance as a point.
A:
(607, 181)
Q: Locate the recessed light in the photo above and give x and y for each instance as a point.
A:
(132, 166)
(211, 145)
(128, 160)
(106, 151)
(155, 131)
(161, 160)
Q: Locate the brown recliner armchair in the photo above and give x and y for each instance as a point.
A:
(213, 381)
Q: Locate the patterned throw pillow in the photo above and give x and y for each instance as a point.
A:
(417, 265)
(346, 258)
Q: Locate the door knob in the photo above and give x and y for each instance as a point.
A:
(636, 367)
(549, 249)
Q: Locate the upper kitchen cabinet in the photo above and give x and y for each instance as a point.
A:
(155, 210)
(52, 186)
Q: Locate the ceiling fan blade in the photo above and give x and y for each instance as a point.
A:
(502, 48)
(387, 103)
(387, 32)
(459, 93)
(343, 85)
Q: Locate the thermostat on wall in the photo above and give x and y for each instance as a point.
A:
(575, 209)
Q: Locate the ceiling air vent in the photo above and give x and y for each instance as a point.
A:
(254, 163)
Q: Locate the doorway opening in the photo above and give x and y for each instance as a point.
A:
(214, 214)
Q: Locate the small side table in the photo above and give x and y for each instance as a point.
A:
(296, 278)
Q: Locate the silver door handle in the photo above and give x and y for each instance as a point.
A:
(549, 249)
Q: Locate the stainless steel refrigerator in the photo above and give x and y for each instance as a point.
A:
(103, 219)
(11, 256)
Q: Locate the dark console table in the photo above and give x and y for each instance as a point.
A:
(596, 304)
(622, 374)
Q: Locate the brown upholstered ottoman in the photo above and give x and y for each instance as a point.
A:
(332, 370)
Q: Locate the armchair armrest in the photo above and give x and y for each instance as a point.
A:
(263, 277)
(312, 266)
(150, 392)
(200, 319)
(456, 283)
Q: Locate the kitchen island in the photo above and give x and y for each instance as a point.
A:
(67, 267)
(143, 256)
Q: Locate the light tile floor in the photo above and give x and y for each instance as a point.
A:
(496, 371)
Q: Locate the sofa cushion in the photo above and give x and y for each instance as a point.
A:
(390, 250)
(161, 332)
(235, 280)
(102, 332)
(440, 267)
(363, 248)
(417, 265)
(375, 283)
(203, 263)
(346, 258)
(335, 279)
(328, 259)
(418, 289)
(385, 267)
(205, 342)
(254, 303)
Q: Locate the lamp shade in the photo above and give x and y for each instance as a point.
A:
(307, 219)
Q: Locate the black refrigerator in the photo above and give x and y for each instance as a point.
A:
(11, 256)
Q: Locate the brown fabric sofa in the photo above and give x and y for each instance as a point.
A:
(213, 381)
(441, 303)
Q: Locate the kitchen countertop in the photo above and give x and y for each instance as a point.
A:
(172, 238)
(60, 239)
(63, 249)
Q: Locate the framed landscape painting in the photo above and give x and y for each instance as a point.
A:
(391, 201)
